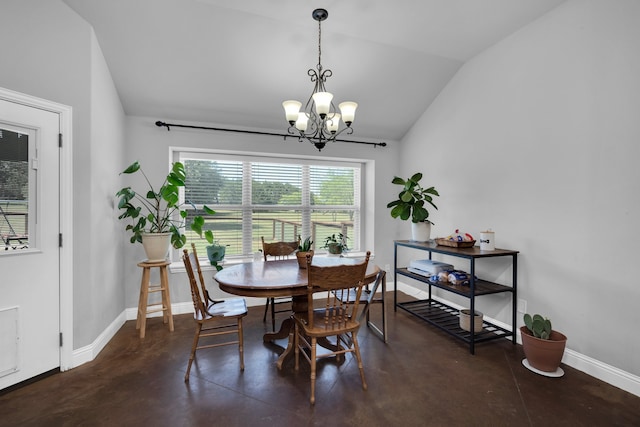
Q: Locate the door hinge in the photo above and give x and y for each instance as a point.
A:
(60, 140)
(60, 240)
(60, 339)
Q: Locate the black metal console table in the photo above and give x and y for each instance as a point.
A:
(446, 317)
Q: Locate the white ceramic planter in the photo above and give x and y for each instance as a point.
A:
(420, 231)
(156, 246)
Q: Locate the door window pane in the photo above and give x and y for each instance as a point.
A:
(14, 190)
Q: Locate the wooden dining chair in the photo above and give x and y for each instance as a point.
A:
(370, 296)
(213, 318)
(274, 251)
(338, 318)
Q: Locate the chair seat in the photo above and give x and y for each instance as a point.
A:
(232, 307)
(320, 328)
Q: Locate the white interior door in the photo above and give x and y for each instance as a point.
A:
(29, 251)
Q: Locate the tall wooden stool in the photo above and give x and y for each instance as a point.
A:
(144, 307)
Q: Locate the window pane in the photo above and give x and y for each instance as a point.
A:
(213, 182)
(276, 226)
(276, 184)
(14, 190)
(226, 226)
(331, 185)
(327, 223)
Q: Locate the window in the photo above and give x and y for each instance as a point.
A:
(16, 189)
(277, 198)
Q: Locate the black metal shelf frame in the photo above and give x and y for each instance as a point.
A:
(446, 317)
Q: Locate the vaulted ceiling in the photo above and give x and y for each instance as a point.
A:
(233, 62)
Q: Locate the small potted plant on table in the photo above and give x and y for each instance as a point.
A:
(304, 249)
(336, 245)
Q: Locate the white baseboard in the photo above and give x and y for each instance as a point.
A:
(597, 369)
(89, 352)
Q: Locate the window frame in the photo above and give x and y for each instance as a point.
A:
(359, 166)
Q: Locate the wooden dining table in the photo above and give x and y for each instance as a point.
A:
(280, 278)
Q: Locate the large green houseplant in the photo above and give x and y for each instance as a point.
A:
(412, 203)
(159, 212)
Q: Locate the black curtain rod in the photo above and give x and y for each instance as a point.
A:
(285, 135)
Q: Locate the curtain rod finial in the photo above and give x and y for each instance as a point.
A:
(160, 124)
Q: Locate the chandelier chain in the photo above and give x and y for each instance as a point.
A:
(319, 66)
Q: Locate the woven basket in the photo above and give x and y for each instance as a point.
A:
(454, 244)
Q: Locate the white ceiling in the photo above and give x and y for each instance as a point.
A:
(233, 62)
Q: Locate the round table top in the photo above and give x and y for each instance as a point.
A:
(277, 278)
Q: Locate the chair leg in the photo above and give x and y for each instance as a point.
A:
(296, 349)
(313, 370)
(273, 314)
(356, 347)
(196, 338)
(241, 343)
(266, 309)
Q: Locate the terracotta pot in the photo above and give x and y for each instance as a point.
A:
(302, 258)
(334, 248)
(544, 355)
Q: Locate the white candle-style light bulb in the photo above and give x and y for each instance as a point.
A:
(323, 102)
(333, 123)
(301, 123)
(291, 110)
(348, 110)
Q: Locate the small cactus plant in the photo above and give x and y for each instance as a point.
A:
(539, 326)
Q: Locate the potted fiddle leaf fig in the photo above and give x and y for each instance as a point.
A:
(413, 203)
(157, 217)
(543, 347)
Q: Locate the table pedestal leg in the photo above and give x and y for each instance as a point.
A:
(290, 324)
(285, 328)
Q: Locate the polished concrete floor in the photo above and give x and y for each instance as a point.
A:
(422, 377)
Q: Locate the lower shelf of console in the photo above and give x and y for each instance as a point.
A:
(447, 319)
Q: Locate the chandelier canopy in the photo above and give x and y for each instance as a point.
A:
(319, 122)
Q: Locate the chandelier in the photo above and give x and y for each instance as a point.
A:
(319, 122)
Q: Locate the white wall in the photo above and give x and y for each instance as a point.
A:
(538, 138)
(150, 144)
(107, 151)
(50, 52)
